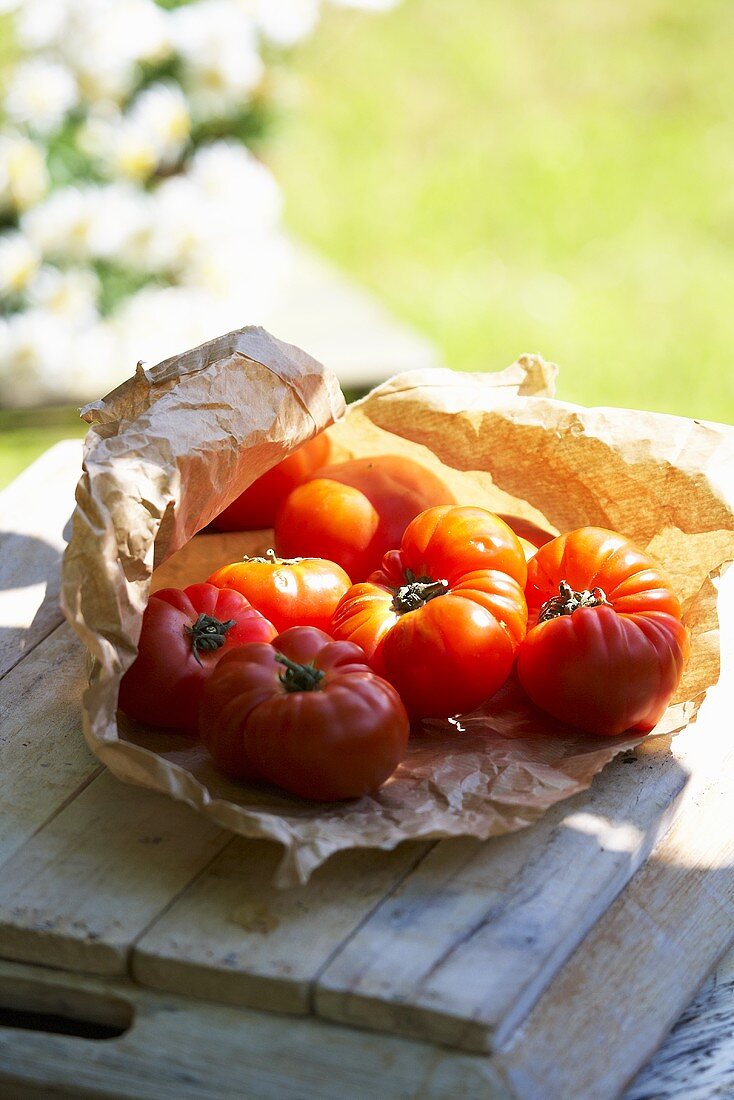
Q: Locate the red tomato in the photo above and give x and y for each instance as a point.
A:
(442, 619)
(606, 650)
(527, 531)
(305, 714)
(256, 507)
(354, 512)
(184, 636)
(289, 592)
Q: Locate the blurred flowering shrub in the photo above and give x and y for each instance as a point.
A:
(134, 220)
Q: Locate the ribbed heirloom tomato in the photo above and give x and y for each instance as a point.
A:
(306, 714)
(606, 648)
(354, 512)
(184, 635)
(257, 506)
(443, 617)
(288, 591)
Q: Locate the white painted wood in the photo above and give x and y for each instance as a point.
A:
(178, 1049)
(43, 758)
(231, 936)
(84, 887)
(34, 513)
(468, 941)
(696, 1062)
(638, 968)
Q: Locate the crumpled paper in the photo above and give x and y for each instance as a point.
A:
(174, 445)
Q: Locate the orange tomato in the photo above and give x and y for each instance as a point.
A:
(354, 512)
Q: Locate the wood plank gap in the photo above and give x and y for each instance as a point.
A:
(169, 905)
(12, 662)
(313, 985)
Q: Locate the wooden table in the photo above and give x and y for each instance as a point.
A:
(541, 965)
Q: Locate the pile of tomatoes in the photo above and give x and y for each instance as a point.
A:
(384, 602)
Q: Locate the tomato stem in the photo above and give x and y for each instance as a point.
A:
(295, 677)
(271, 558)
(567, 601)
(208, 634)
(417, 592)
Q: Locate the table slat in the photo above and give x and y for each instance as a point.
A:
(233, 937)
(620, 993)
(84, 887)
(43, 758)
(470, 939)
(180, 1049)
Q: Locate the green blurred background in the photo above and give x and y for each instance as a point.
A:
(554, 177)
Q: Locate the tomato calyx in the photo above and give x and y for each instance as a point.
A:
(567, 601)
(295, 677)
(417, 592)
(271, 558)
(208, 634)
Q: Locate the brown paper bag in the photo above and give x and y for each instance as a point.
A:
(173, 446)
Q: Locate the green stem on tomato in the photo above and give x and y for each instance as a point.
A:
(208, 634)
(567, 601)
(417, 592)
(295, 677)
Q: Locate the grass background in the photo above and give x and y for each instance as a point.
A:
(553, 177)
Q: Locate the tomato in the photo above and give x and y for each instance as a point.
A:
(527, 531)
(183, 637)
(443, 617)
(306, 714)
(288, 591)
(354, 512)
(256, 507)
(606, 650)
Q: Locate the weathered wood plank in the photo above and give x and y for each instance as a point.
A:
(462, 949)
(178, 1049)
(233, 937)
(34, 513)
(473, 935)
(43, 758)
(84, 887)
(696, 1061)
(638, 968)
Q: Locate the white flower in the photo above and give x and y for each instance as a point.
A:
(61, 225)
(242, 188)
(103, 41)
(40, 94)
(19, 262)
(39, 25)
(124, 226)
(151, 135)
(287, 21)
(217, 41)
(162, 110)
(34, 352)
(69, 295)
(179, 222)
(23, 176)
(92, 222)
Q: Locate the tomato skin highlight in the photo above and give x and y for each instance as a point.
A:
(341, 740)
(456, 649)
(611, 667)
(257, 506)
(354, 512)
(300, 592)
(163, 685)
